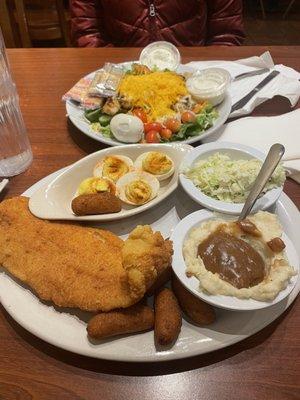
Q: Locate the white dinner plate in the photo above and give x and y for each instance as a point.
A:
(235, 151)
(3, 184)
(66, 328)
(179, 236)
(53, 200)
(76, 115)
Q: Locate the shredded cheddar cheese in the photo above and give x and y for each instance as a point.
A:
(155, 92)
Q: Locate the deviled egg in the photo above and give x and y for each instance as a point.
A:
(127, 128)
(113, 167)
(137, 188)
(96, 185)
(156, 163)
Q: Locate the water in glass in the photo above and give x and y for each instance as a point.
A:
(15, 150)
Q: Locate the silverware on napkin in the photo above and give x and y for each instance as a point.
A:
(239, 104)
(252, 73)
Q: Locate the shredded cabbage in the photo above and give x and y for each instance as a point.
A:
(229, 180)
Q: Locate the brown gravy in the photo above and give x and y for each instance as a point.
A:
(236, 261)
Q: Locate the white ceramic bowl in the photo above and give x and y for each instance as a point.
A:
(53, 201)
(179, 236)
(237, 152)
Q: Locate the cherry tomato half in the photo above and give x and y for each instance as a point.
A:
(140, 113)
(153, 126)
(166, 133)
(152, 137)
(173, 124)
(188, 116)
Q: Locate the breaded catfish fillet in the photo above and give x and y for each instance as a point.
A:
(71, 265)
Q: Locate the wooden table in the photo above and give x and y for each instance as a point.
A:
(264, 366)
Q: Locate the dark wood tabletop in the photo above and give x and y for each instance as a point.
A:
(264, 366)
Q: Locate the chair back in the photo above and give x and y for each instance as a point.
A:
(41, 20)
(6, 25)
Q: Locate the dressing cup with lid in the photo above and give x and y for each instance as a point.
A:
(209, 84)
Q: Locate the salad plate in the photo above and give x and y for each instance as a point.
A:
(76, 115)
(66, 328)
(234, 151)
(53, 201)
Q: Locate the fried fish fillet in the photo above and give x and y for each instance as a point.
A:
(71, 265)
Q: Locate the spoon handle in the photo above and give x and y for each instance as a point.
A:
(272, 160)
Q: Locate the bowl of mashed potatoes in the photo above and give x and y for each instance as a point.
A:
(244, 265)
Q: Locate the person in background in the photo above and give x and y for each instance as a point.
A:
(97, 23)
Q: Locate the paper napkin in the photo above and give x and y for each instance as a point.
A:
(262, 132)
(285, 84)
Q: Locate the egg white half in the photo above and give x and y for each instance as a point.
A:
(112, 185)
(133, 176)
(98, 169)
(127, 128)
(138, 164)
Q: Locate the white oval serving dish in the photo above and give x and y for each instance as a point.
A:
(53, 201)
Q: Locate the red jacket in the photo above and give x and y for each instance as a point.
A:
(139, 22)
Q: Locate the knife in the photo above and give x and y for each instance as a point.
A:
(239, 104)
(252, 73)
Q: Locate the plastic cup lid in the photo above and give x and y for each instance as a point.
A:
(220, 76)
(161, 55)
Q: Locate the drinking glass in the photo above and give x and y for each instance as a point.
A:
(15, 150)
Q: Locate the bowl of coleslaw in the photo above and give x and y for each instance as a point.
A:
(220, 175)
